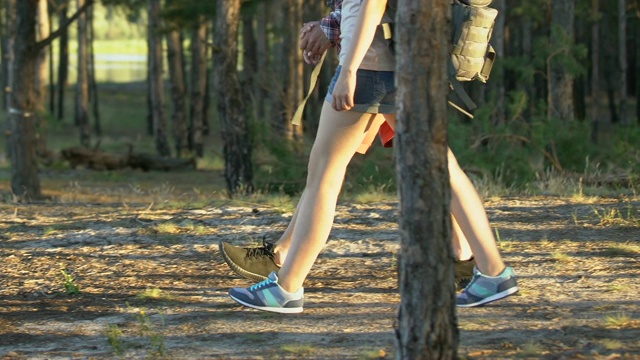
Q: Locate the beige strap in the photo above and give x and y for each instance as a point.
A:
(297, 116)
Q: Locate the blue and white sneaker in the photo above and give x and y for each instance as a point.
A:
(267, 295)
(484, 289)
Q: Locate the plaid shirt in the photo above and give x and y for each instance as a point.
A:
(330, 24)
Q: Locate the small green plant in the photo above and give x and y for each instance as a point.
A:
(560, 257)
(114, 338)
(148, 328)
(153, 294)
(617, 217)
(531, 349)
(617, 320)
(70, 287)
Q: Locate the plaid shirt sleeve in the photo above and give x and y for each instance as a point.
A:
(330, 25)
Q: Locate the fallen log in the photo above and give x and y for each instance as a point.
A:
(95, 159)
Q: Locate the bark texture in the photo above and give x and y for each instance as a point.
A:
(156, 86)
(25, 183)
(427, 325)
(235, 128)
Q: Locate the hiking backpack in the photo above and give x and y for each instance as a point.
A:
(472, 56)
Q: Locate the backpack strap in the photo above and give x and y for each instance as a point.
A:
(458, 97)
(297, 116)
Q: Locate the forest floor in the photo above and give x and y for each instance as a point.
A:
(150, 282)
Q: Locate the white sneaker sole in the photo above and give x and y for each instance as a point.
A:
(491, 298)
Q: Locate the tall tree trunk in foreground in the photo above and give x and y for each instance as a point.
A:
(25, 183)
(156, 80)
(235, 128)
(427, 326)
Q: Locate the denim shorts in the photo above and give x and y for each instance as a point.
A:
(375, 91)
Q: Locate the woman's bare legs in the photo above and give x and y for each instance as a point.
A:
(339, 136)
(468, 210)
(461, 248)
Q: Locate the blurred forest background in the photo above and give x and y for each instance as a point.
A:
(183, 85)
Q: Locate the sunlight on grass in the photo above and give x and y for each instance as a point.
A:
(374, 194)
(560, 257)
(617, 217)
(531, 349)
(373, 354)
(153, 294)
(49, 231)
(617, 320)
(168, 228)
(611, 344)
(299, 349)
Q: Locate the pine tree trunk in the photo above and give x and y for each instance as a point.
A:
(496, 84)
(8, 55)
(249, 79)
(427, 327)
(178, 93)
(156, 79)
(82, 90)
(622, 59)
(235, 129)
(63, 62)
(560, 99)
(42, 73)
(93, 82)
(294, 81)
(22, 143)
(198, 86)
(262, 54)
(595, 68)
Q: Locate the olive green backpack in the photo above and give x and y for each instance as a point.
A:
(472, 56)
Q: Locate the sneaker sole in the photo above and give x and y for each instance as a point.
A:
(280, 310)
(238, 270)
(489, 299)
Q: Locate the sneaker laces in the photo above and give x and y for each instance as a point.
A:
(260, 251)
(260, 285)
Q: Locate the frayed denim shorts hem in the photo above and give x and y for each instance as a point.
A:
(375, 91)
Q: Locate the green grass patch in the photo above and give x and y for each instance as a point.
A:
(299, 349)
(626, 250)
(154, 294)
(619, 320)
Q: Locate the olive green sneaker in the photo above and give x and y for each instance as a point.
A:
(464, 272)
(254, 263)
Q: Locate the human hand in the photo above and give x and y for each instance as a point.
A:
(313, 42)
(343, 91)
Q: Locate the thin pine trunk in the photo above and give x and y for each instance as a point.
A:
(156, 79)
(63, 62)
(82, 90)
(178, 92)
(622, 58)
(235, 128)
(595, 68)
(198, 86)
